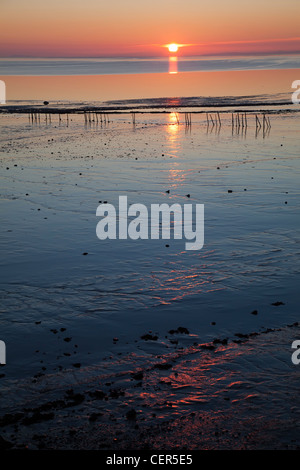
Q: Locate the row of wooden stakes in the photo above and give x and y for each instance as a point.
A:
(89, 117)
(212, 119)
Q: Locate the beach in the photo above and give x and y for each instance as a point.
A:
(149, 239)
(120, 344)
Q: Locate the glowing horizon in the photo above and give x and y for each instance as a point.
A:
(72, 28)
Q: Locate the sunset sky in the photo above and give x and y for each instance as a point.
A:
(137, 28)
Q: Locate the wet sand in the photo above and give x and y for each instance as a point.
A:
(239, 393)
(95, 358)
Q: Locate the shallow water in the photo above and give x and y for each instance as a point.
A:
(52, 179)
(48, 213)
(108, 66)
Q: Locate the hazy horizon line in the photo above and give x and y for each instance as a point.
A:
(179, 56)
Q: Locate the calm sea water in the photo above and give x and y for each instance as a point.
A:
(73, 322)
(100, 80)
(110, 66)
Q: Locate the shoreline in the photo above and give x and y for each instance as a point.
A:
(99, 344)
(150, 109)
(111, 411)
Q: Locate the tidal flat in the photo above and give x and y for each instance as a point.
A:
(126, 344)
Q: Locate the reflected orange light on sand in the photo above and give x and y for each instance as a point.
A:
(172, 130)
(176, 174)
(174, 119)
(202, 378)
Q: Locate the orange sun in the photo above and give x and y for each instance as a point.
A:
(173, 47)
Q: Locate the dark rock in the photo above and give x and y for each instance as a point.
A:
(210, 347)
(37, 417)
(97, 394)
(164, 366)
(148, 337)
(220, 341)
(180, 330)
(94, 417)
(138, 376)
(4, 445)
(131, 415)
(10, 418)
(73, 399)
(116, 393)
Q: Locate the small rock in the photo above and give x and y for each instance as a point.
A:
(164, 366)
(138, 376)
(180, 330)
(97, 394)
(210, 347)
(131, 415)
(148, 337)
(4, 445)
(94, 417)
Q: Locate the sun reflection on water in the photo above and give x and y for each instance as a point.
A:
(173, 66)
